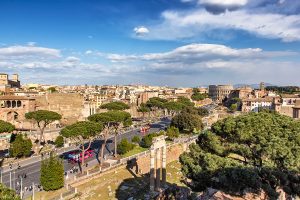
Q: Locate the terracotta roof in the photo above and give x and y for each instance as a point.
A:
(12, 97)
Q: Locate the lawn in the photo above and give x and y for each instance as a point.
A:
(137, 149)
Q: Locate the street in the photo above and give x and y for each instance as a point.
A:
(32, 170)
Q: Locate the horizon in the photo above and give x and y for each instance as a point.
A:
(179, 43)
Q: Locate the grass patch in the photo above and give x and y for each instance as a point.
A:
(137, 149)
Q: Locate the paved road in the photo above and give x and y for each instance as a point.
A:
(32, 170)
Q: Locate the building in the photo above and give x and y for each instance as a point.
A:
(219, 92)
(256, 104)
(296, 110)
(6, 84)
(13, 109)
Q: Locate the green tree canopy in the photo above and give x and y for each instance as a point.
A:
(6, 127)
(185, 101)
(202, 112)
(7, 194)
(143, 109)
(113, 116)
(197, 96)
(124, 146)
(174, 107)
(52, 173)
(43, 118)
(249, 152)
(118, 105)
(82, 130)
(20, 147)
(156, 103)
(187, 122)
(172, 132)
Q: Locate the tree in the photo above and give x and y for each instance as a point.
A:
(124, 146)
(187, 122)
(80, 132)
(59, 141)
(112, 120)
(136, 139)
(197, 96)
(118, 105)
(43, 118)
(185, 101)
(20, 147)
(255, 151)
(147, 140)
(8, 194)
(52, 173)
(202, 112)
(174, 107)
(143, 109)
(172, 132)
(156, 103)
(6, 127)
(52, 89)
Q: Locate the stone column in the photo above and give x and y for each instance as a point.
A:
(152, 170)
(164, 164)
(158, 168)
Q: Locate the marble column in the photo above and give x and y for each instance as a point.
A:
(152, 170)
(164, 164)
(158, 168)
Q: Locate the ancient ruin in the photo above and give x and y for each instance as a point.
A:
(158, 152)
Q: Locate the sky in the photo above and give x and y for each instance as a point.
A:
(180, 43)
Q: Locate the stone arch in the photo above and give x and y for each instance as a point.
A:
(12, 116)
(13, 104)
(19, 103)
(8, 104)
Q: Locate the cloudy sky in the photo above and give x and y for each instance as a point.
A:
(157, 42)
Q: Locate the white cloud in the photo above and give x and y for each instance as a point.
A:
(24, 51)
(224, 3)
(193, 23)
(87, 52)
(141, 30)
(194, 53)
(72, 59)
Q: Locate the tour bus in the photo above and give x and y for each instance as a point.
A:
(75, 155)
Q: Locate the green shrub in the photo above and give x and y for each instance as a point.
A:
(136, 139)
(59, 141)
(172, 132)
(20, 147)
(124, 146)
(147, 140)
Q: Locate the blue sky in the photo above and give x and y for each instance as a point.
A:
(157, 42)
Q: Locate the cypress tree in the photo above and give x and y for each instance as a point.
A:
(52, 173)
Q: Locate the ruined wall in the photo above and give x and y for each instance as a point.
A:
(286, 110)
(70, 106)
(173, 153)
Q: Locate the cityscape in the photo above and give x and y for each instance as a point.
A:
(150, 100)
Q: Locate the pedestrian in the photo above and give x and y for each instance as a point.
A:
(86, 164)
(10, 165)
(19, 167)
(25, 175)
